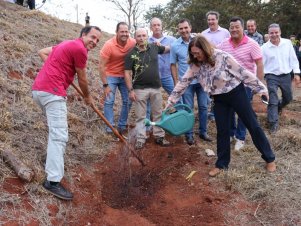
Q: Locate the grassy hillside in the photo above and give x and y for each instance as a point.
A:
(23, 129)
(23, 32)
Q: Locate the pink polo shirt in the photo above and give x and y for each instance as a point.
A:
(58, 71)
(245, 53)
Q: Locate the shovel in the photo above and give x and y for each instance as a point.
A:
(115, 131)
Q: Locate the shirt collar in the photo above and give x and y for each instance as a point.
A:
(218, 29)
(254, 34)
(117, 44)
(182, 41)
(242, 42)
(271, 44)
(82, 42)
(160, 39)
(137, 49)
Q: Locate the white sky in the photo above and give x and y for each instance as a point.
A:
(103, 14)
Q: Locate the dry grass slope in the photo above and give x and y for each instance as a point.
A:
(23, 129)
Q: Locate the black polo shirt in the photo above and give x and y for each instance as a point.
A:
(144, 65)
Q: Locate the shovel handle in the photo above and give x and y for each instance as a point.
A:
(101, 115)
(109, 125)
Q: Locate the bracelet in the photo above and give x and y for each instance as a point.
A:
(105, 85)
(131, 89)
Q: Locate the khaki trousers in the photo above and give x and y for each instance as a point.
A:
(155, 98)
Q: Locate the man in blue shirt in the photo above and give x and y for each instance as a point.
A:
(164, 59)
(178, 64)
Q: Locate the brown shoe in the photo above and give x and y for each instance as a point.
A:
(271, 167)
(214, 172)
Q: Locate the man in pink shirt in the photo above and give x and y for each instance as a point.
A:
(248, 54)
(62, 62)
(111, 69)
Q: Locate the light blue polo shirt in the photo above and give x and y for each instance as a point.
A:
(179, 55)
(164, 59)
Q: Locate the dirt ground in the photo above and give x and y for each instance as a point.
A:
(121, 191)
(110, 185)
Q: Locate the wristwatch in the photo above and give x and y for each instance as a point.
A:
(105, 85)
(131, 89)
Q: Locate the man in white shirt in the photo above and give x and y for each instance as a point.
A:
(279, 59)
(215, 34)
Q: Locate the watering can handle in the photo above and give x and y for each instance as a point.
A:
(177, 106)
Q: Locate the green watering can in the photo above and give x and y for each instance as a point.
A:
(177, 122)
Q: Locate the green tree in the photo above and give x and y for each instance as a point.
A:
(285, 12)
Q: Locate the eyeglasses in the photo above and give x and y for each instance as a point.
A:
(196, 53)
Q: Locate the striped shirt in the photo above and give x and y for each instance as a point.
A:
(246, 52)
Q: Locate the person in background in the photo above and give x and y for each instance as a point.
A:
(293, 39)
(87, 19)
(215, 35)
(61, 63)
(164, 59)
(111, 69)
(298, 52)
(266, 38)
(29, 3)
(143, 83)
(178, 61)
(221, 76)
(247, 52)
(279, 59)
(296, 47)
(252, 32)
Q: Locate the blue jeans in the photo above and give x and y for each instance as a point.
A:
(240, 131)
(224, 105)
(202, 98)
(168, 86)
(211, 112)
(114, 83)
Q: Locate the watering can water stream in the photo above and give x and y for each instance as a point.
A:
(177, 122)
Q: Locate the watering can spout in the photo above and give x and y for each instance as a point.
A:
(147, 122)
(175, 123)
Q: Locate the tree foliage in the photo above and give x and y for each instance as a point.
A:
(285, 12)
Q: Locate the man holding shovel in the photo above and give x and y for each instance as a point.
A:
(62, 62)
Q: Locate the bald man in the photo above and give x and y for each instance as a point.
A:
(143, 82)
